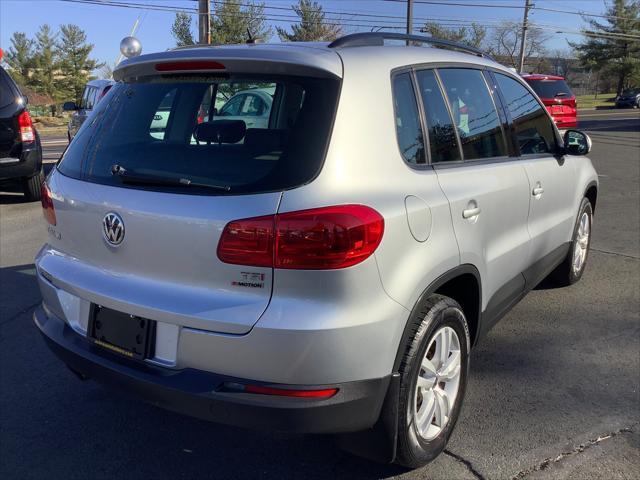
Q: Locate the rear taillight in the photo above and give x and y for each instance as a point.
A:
(47, 204)
(317, 239)
(26, 128)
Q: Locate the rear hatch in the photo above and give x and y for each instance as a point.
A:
(557, 98)
(144, 191)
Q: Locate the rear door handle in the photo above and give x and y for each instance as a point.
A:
(471, 212)
(538, 190)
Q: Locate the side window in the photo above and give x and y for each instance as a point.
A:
(533, 127)
(85, 97)
(408, 127)
(441, 131)
(232, 107)
(91, 98)
(160, 119)
(254, 106)
(474, 113)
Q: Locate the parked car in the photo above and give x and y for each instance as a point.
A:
(328, 272)
(20, 148)
(94, 91)
(251, 106)
(629, 98)
(557, 97)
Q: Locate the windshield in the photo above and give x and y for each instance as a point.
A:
(249, 134)
(631, 91)
(551, 88)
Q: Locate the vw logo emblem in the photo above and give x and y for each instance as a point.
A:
(113, 229)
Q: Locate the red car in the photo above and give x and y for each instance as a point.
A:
(557, 97)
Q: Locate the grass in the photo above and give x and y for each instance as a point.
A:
(589, 101)
(50, 125)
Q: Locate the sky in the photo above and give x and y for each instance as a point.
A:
(107, 25)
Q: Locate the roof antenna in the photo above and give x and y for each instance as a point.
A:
(250, 40)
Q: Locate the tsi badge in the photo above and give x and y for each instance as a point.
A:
(250, 280)
(113, 229)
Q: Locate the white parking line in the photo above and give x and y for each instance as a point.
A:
(54, 142)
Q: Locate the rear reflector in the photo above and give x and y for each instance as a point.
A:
(316, 239)
(189, 65)
(285, 392)
(27, 134)
(47, 204)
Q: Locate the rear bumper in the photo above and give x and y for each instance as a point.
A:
(197, 393)
(29, 163)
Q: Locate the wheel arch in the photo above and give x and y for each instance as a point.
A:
(591, 193)
(461, 283)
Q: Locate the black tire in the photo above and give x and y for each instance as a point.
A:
(31, 186)
(565, 275)
(437, 311)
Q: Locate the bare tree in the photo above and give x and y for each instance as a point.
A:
(504, 44)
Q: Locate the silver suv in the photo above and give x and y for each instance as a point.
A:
(328, 272)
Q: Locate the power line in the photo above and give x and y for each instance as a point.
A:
(358, 23)
(493, 5)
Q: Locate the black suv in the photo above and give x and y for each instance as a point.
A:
(20, 148)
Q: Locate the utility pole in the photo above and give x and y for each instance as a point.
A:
(409, 18)
(204, 22)
(527, 6)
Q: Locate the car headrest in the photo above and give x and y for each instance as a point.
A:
(265, 139)
(220, 131)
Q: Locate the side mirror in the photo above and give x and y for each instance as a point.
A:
(576, 142)
(69, 106)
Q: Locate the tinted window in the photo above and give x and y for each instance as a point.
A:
(533, 127)
(167, 129)
(474, 113)
(550, 88)
(6, 95)
(442, 135)
(408, 126)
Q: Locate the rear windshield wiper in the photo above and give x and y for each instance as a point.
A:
(136, 178)
(561, 94)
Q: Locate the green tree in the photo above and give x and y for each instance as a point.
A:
(614, 51)
(75, 65)
(46, 63)
(181, 29)
(20, 58)
(231, 21)
(473, 36)
(312, 25)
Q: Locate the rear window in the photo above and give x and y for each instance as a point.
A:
(7, 95)
(194, 134)
(550, 88)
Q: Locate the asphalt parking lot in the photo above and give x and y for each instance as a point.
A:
(553, 391)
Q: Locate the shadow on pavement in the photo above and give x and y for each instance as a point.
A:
(11, 190)
(99, 432)
(610, 125)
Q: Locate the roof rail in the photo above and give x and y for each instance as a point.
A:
(376, 39)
